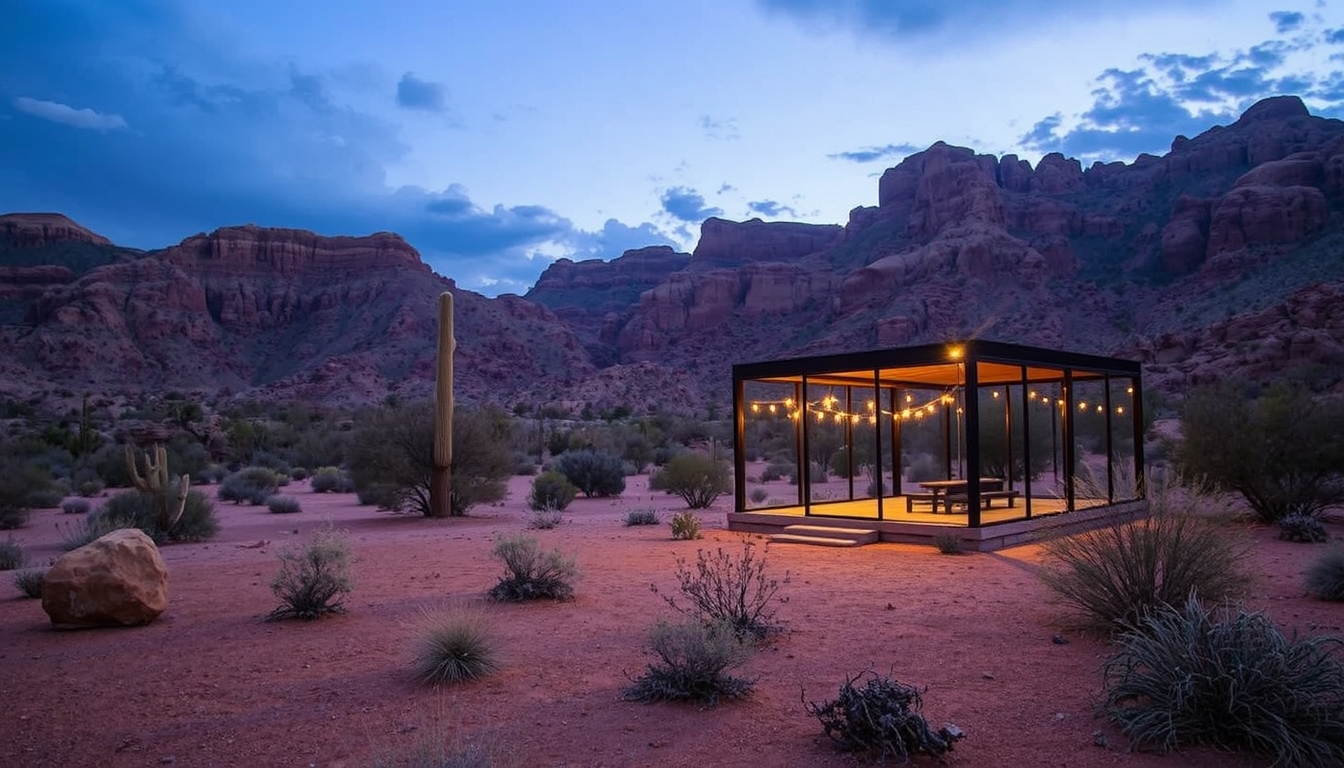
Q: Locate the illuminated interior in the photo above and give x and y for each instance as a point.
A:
(899, 434)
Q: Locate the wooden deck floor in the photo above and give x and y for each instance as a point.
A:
(894, 510)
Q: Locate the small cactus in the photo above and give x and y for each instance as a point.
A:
(156, 483)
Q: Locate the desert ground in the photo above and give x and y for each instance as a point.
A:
(211, 684)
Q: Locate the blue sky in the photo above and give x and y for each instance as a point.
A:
(497, 135)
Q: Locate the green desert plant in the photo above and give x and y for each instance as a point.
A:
(283, 505)
(29, 582)
(393, 450)
(132, 509)
(594, 473)
(685, 526)
(735, 590)
(641, 517)
(251, 485)
(530, 573)
(327, 480)
(19, 481)
(168, 496)
(948, 543)
(1325, 576)
(758, 495)
(1114, 575)
(1302, 528)
(11, 555)
(1183, 675)
(298, 473)
(776, 470)
(882, 718)
(75, 506)
(454, 646)
(698, 479)
(313, 580)
(545, 519)
(46, 498)
(551, 491)
(692, 664)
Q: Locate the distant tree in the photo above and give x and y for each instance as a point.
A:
(392, 451)
(592, 472)
(698, 479)
(1282, 452)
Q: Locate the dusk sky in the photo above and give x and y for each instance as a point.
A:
(497, 136)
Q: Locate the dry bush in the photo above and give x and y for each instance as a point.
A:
(693, 663)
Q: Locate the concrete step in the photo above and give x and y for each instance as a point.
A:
(826, 535)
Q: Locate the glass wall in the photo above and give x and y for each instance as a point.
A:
(770, 445)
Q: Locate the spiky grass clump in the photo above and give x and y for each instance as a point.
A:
(1115, 575)
(314, 580)
(1185, 676)
(283, 505)
(11, 555)
(693, 663)
(531, 574)
(685, 526)
(882, 718)
(545, 519)
(454, 646)
(30, 582)
(736, 591)
(641, 517)
(1325, 576)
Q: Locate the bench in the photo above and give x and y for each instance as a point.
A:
(986, 499)
(923, 498)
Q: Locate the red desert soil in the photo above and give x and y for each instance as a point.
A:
(211, 684)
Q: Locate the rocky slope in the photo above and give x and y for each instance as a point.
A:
(1225, 256)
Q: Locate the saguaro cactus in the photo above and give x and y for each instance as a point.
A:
(170, 499)
(440, 480)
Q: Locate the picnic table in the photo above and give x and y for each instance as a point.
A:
(945, 493)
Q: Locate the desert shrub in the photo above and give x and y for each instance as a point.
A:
(698, 479)
(1183, 675)
(531, 574)
(13, 516)
(45, 498)
(1325, 575)
(434, 746)
(776, 470)
(394, 448)
(545, 519)
(1287, 457)
(253, 485)
(298, 473)
(523, 464)
(735, 590)
(30, 582)
(327, 480)
(641, 517)
(1302, 528)
(594, 473)
(882, 718)
(11, 555)
(685, 526)
(692, 664)
(758, 495)
(454, 646)
(382, 496)
(75, 506)
(90, 488)
(211, 474)
(1116, 574)
(133, 509)
(948, 543)
(551, 491)
(314, 580)
(283, 505)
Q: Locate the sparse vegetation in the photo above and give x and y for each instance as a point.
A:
(698, 479)
(454, 646)
(1325, 575)
(735, 590)
(1184, 676)
(530, 573)
(133, 509)
(685, 526)
(313, 580)
(551, 491)
(30, 582)
(252, 485)
(641, 517)
(693, 662)
(1114, 575)
(545, 519)
(882, 718)
(331, 480)
(283, 505)
(11, 555)
(1302, 528)
(948, 543)
(75, 506)
(594, 473)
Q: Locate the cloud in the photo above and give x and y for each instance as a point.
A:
(614, 239)
(414, 93)
(67, 115)
(771, 208)
(873, 154)
(721, 130)
(687, 205)
(1286, 21)
(1171, 94)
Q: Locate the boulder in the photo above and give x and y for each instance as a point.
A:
(120, 579)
